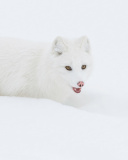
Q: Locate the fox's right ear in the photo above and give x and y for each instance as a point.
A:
(84, 44)
(59, 46)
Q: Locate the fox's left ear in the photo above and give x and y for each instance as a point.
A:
(84, 44)
(59, 46)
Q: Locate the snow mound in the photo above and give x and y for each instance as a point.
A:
(36, 129)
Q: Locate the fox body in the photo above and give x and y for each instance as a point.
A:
(52, 70)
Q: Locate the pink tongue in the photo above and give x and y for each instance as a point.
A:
(78, 89)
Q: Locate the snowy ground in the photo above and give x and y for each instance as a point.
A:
(97, 127)
(41, 129)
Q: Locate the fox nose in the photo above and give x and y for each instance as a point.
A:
(80, 83)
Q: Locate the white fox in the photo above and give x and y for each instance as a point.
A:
(54, 71)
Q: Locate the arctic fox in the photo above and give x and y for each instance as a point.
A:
(54, 71)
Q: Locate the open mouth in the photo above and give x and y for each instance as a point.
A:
(77, 90)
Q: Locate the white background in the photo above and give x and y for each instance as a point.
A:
(105, 22)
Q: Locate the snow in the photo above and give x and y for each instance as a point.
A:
(96, 127)
(43, 129)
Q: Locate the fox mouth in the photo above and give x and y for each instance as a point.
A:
(77, 90)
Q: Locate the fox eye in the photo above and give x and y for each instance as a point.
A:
(83, 66)
(68, 68)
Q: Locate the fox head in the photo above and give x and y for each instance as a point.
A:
(72, 62)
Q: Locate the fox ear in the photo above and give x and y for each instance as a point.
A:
(84, 44)
(59, 46)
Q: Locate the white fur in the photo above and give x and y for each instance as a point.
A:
(38, 70)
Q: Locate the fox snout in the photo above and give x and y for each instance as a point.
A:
(80, 83)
